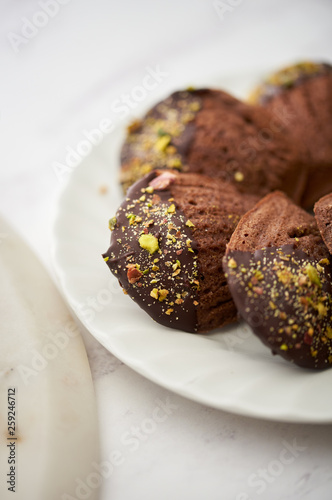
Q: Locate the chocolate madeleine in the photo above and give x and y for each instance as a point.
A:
(279, 273)
(302, 94)
(212, 133)
(167, 243)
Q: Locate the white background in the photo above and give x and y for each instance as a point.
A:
(62, 81)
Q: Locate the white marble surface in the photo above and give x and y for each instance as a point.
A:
(63, 80)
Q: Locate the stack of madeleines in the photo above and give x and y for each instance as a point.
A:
(214, 222)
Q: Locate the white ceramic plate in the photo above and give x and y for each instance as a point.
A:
(229, 369)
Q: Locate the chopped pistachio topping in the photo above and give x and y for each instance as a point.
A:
(189, 223)
(285, 78)
(232, 263)
(288, 296)
(149, 243)
(112, 223)
(163, 142)
(150, 258)
(312, 274)
(154, 142)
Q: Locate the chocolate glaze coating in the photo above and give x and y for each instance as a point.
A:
(176, 252)
(285, 296)
(162, 139)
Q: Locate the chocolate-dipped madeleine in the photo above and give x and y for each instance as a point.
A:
(302, 94)
(212, 133)
(167, 243)
(279, 273)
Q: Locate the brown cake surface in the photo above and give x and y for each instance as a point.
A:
(279, 273)
(302, 93)
(323, 216)
(168, 239)
(212, 133)
(276, 221)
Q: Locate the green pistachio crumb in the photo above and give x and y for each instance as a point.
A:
(112, 223)
(149, 243)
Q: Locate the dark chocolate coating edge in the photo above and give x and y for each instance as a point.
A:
(176, 311)
(275, 311)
